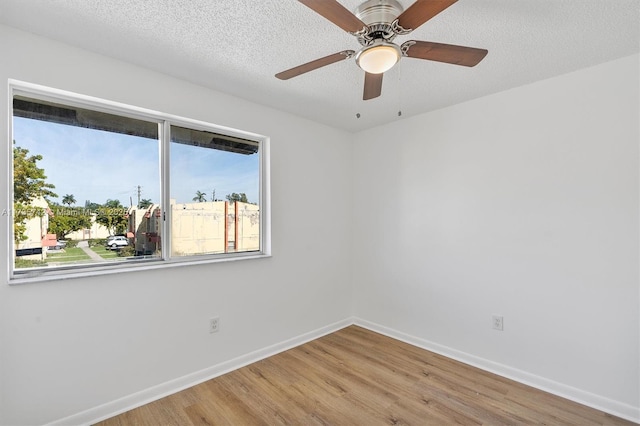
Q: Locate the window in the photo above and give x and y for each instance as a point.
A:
(99, 186)
(210, 222)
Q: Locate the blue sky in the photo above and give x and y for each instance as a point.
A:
(97, 165)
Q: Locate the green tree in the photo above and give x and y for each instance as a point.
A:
(68, 219)
(29, 181)
(241, 197)
(68, 199)
(113, 216)
(144, 203)
(200, 197)
(29, 184)
(93, 207)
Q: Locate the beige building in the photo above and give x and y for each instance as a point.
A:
(145, 228)
(95, 231)
(198, 228)
(34, 247)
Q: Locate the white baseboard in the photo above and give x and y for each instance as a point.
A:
(598, 402)
(154, 393)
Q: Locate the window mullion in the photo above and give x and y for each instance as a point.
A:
(165, 186)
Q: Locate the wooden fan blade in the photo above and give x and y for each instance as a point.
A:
(448, 53)
(313, 65)
(336, 13)
(372, 86)
(421, 11)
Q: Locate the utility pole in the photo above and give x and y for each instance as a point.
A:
(139, 193)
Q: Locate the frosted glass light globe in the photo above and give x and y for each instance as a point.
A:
(378, 58)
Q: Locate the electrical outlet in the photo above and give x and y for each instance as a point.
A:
(497, 322)
(214, 325)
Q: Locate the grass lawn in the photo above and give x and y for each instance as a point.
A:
(104, 253)
(73, 254)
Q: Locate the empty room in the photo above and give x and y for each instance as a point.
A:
(338, 212)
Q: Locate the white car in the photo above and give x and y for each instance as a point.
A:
(117, 241)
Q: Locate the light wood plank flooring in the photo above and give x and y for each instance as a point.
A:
(358, 377)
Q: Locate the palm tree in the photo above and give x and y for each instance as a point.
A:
(68, 199)
(200, 197)
(144, 203)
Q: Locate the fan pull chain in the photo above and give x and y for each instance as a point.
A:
(399, 92)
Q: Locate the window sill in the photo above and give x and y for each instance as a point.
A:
(43, 275)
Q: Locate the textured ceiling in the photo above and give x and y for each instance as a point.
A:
(236, 46)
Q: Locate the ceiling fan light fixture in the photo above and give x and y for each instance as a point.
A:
(379, 57)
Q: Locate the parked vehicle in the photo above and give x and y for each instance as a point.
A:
(115, 242)
(60, 244)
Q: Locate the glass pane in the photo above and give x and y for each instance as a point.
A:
(86, 186)
(214, 193)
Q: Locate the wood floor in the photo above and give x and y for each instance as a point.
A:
(358, 377)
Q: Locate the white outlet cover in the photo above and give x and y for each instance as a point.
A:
(497, 322)
(214, 325)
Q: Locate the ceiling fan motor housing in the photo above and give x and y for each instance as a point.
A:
(378, 15)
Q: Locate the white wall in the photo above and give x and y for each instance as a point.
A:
(68, 346)
(522, 204)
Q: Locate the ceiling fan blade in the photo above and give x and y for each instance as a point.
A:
(313, 65)
(336, 13)
(372, 86)
(421, 11)
(448, 53)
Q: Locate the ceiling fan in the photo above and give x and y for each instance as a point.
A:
(376, 23)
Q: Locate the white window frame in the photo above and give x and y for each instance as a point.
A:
(165, 121)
